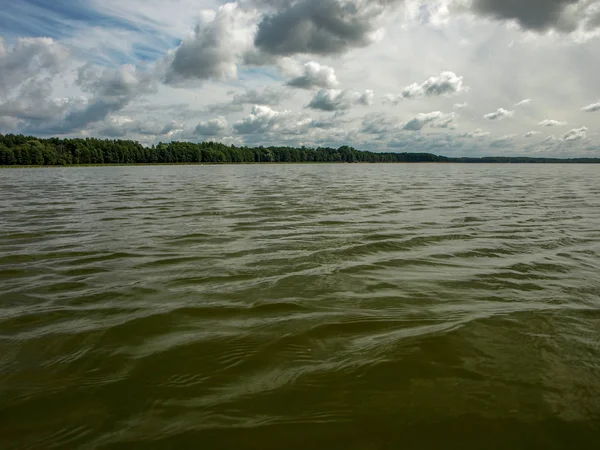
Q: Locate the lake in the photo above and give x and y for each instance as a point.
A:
(326, 306)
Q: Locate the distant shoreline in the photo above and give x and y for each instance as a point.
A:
(43, 166)
(30, 151)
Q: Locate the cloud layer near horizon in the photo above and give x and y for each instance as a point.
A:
(448, 76)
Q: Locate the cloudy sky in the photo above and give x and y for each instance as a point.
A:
(453, 77)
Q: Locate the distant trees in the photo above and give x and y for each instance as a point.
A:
(28, 150)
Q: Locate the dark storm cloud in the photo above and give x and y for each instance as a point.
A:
(319, 26)
(536, 15)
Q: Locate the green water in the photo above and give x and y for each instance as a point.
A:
(300, 307)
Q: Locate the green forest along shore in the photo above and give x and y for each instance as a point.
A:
(19, 150)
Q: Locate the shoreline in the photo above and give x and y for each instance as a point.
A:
(58, 166)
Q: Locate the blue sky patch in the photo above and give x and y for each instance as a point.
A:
(56, 19)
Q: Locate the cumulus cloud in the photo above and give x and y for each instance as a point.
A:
(503, 141)
(322, 27)
(476, 134)
(287, 34)
(110, 91)
(366, 98)
(524, 102)
(391, 98)
(268, 96)
(339, 100)
(591, 108)
(27, 69)
(447, 83)
(315, 75)
(263, 119)
(379, 125)
(123, 126)
(33, 102)
(499, 114)
(9, 124)
(212, 127)
(550, 140)
(532, 133)
(335, 26)
(551, 123)
(576, 134)
(218, 45)
(435, 119)
(126, 81)
(328, 123)
(29, 58)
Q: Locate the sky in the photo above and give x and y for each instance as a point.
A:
(451, 77)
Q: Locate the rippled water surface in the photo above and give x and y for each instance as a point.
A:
(300, 307)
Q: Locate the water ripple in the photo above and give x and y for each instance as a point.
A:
(301, 306)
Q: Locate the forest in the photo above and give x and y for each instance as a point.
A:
(19, 150)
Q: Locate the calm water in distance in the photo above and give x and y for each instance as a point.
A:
(284, 307)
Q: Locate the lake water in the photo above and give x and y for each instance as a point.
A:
(288, 307)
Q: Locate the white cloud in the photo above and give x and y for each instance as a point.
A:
(338, 99)
(524, 102)
(532, 133)
(592, 108)
(32, 101)
(150, 74)
(126, 127)
(381, 125)
(263, 119)
(111, 90)
(29, 58)
(366, 98)
(391, 99)
(447, 83)
(315, 75)
(576, 134)
(503, 141)
(551, 123)
(220, 41)
(268, 96)
(550, 140)
(9, 124)
(212, 127)
(435, 119)
(123, 82)
(476, 134)
(499, 114)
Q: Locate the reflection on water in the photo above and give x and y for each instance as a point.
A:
(300, 306)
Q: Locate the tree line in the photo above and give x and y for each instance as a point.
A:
(29, 150)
